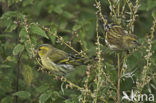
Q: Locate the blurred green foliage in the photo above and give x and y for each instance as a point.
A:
(25, 24)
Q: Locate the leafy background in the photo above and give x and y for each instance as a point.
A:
(66, 24)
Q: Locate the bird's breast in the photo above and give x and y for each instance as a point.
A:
(47, 63)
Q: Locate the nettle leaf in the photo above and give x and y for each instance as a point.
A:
(6, 18)
(11, 59)
(23, 35)
(27, 2)
(27, 74)
(59, 9)
(34, 28)
(7, 99)
(5, 22)
(11, 27)
(9, 14)
(52, 32)
(9, 18)
(28, 48)
(154, 13)
(63, 25)
(68, 14)
(151, 4)
(22, 94)
(44, 97)
(11, 2)
(18, 49)
(76, 27)
(5, 66)
(42, 88)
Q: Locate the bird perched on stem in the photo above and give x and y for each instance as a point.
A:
(119, 39)
(116, 37)
(58, 61)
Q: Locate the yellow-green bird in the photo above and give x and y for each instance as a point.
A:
(116, 37)
(58, 61)
(119, 39)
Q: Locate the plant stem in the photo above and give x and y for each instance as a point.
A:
(17, 76)
(118, 87)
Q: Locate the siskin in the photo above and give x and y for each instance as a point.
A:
(119, 39)
(58, 61)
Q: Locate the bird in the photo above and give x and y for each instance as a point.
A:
(58, 61)
(116, 38)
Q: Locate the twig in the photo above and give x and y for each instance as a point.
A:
(17, 76)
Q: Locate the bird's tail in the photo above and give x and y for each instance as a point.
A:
(79, 60)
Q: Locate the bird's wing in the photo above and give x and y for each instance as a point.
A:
(76, 59)
(117, 30)
(68, 59)
(61, 57)
(58, 55)
(73, 59)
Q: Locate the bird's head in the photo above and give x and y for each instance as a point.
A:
(44, 49)
(130, 41)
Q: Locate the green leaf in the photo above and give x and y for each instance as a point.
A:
(68, 15)
(9, 14)
(76, 27)
(18, 49)
(52, 32)
(23, 35)
(27, 2)
(5, 66)
(42, 88)
(28, 48)
(154, 13)
(58, 9)
(151, 4)
(7, 99)
(22, 94)
(44, 97)
(11, 27)
(68, 101)
(63, 25)
(11, 59)
(27, 74)
(143, 6)
(6, 36)
(37, 30)
(10, 2)
(5, 22)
